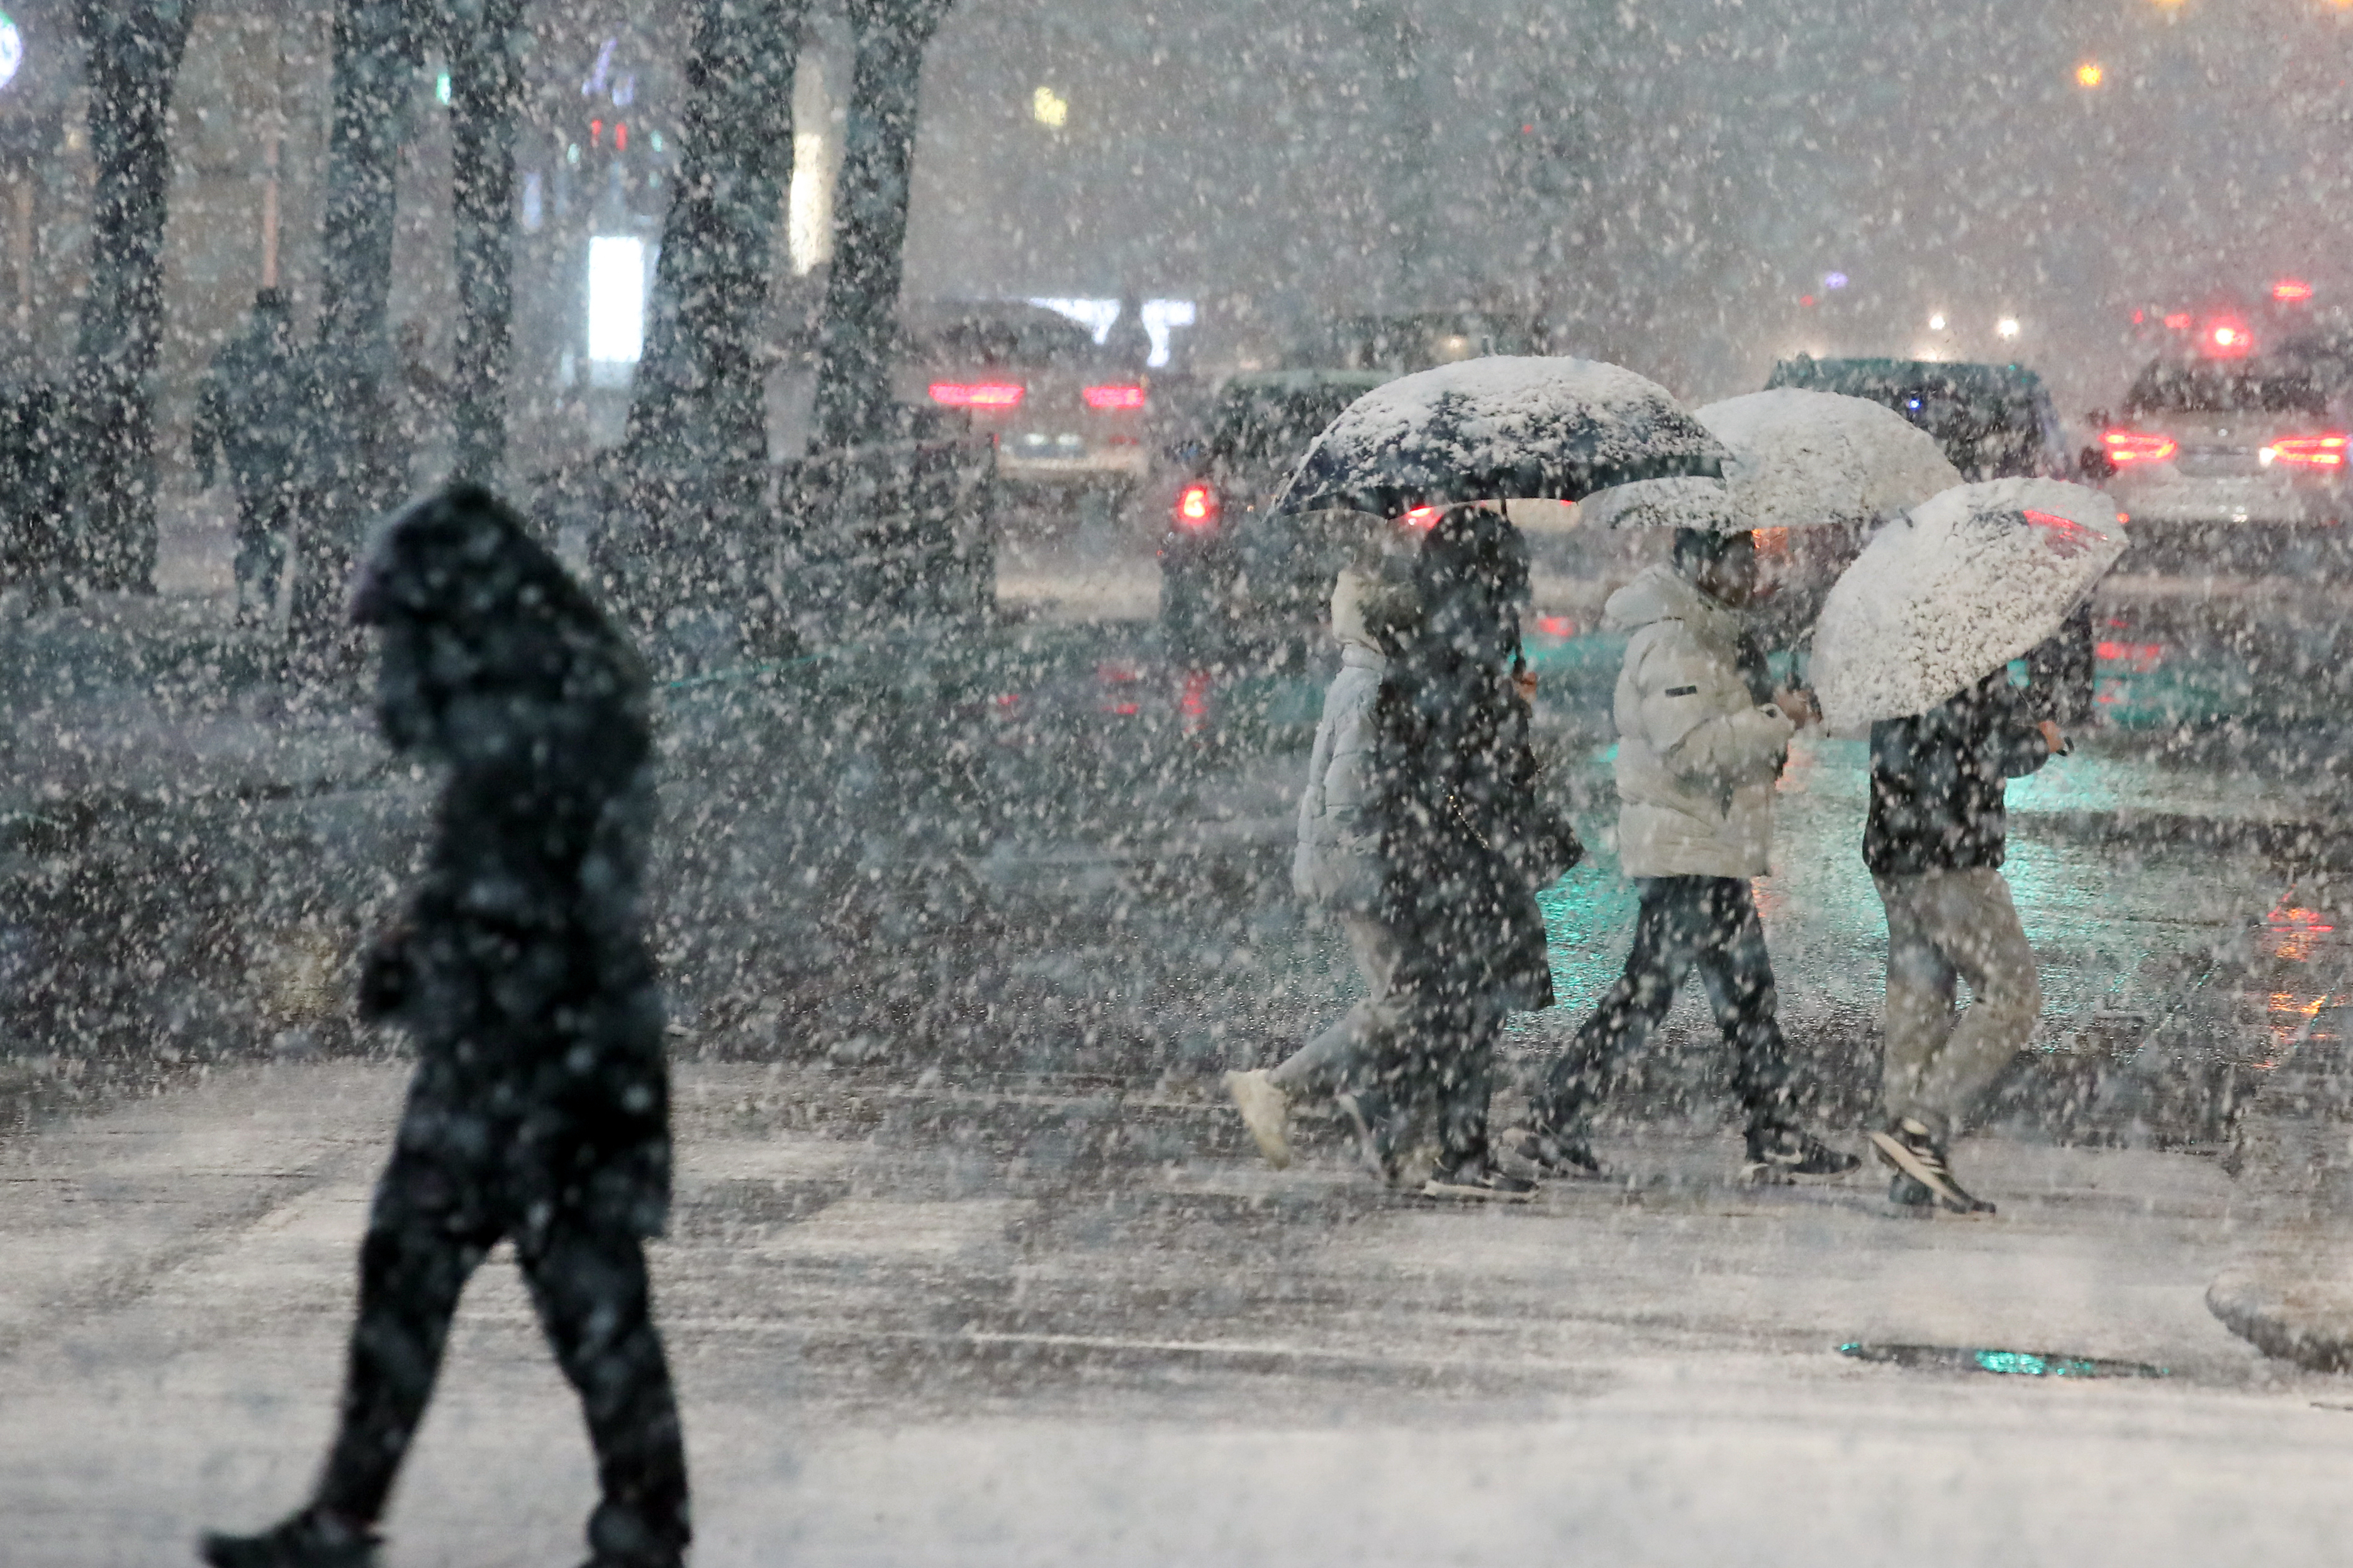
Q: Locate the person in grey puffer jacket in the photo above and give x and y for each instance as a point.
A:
(1698, 757)
(1338, 866)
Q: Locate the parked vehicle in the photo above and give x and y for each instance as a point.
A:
(1993, 421)
(1236, 581)
(1070, 419)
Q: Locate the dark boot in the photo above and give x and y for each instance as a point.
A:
(1778, 1153)
(310, 1538)
(1553, 1154)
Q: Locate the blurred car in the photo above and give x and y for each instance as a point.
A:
(1068, 418)
(2209, 449)
(2230, 606)
(1993, 421)
(1236, 581)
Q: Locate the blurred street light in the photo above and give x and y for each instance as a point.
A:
(1049, 108)
(1936, 322)
(2090, 74)
(2007, 327)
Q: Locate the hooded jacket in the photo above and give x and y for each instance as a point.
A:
(520, 971)
(1338, 863)
(1697, 756)
(1938, 778)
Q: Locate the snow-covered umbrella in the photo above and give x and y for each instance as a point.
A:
(1501, 429)
(1799, 459)
(1971, 580)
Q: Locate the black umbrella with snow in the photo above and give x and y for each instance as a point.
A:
(1942, 598)
(1502, 428)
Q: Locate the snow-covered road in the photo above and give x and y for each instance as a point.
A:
(1040, 1323)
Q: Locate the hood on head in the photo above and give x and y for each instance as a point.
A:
(1661, 592)
(484, 635)
(461, 558)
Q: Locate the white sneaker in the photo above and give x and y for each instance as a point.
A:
(1266, 1112)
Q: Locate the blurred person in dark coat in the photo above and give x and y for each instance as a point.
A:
(1469, 844)
(540, 1108)
(255, 406)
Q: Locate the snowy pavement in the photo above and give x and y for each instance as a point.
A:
(1042, 1322)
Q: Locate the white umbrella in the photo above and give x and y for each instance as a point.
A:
(1942, 598)
(1502, 428)
(1799, 459)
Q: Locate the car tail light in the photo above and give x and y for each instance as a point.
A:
(1196, 508)
(2226, 340)
(1114, 397)
(2126, 447)
(2308, 451)
(2066, 537)
(1422, 519)
(978, 395)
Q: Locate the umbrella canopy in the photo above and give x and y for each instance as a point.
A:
(1501, 429)
(1968, 582)
(1799, 459)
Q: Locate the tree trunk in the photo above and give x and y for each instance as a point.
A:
(133, 54)
(697, 448)
(861, 293)
(359, 467)
(485, 92)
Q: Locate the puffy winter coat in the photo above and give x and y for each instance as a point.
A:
(1938, 780)
(1697, 756)
(1338, 863)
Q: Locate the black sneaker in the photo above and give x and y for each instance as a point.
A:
(1551, 1153)
(1782, 1154)
(309, 1539)
(1917, 1156)
(1484, 1181)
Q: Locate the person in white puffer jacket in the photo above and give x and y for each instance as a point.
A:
(1698, 757)
(1338, 866)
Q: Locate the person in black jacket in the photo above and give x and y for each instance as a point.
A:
(1467, 844)
(1933, 842)
(540, 1108)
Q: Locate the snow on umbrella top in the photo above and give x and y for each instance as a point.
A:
(1799, 458)
(1970, 581)
(1501, 429)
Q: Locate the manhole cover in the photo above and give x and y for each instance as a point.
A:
(2010, 1363)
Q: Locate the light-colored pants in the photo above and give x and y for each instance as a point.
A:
(1324, 1064)
(1944, 926)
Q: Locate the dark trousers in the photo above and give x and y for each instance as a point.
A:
(1705, 923)
(589, 1285)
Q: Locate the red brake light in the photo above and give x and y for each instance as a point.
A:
(2066, 537)
(2177, 321)
(2227, 340)
(2291, 290)
(978, 395)
(2310, 451)
(1114, 397)
(1422, 518)
(1196, 508)
(2127, 446)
